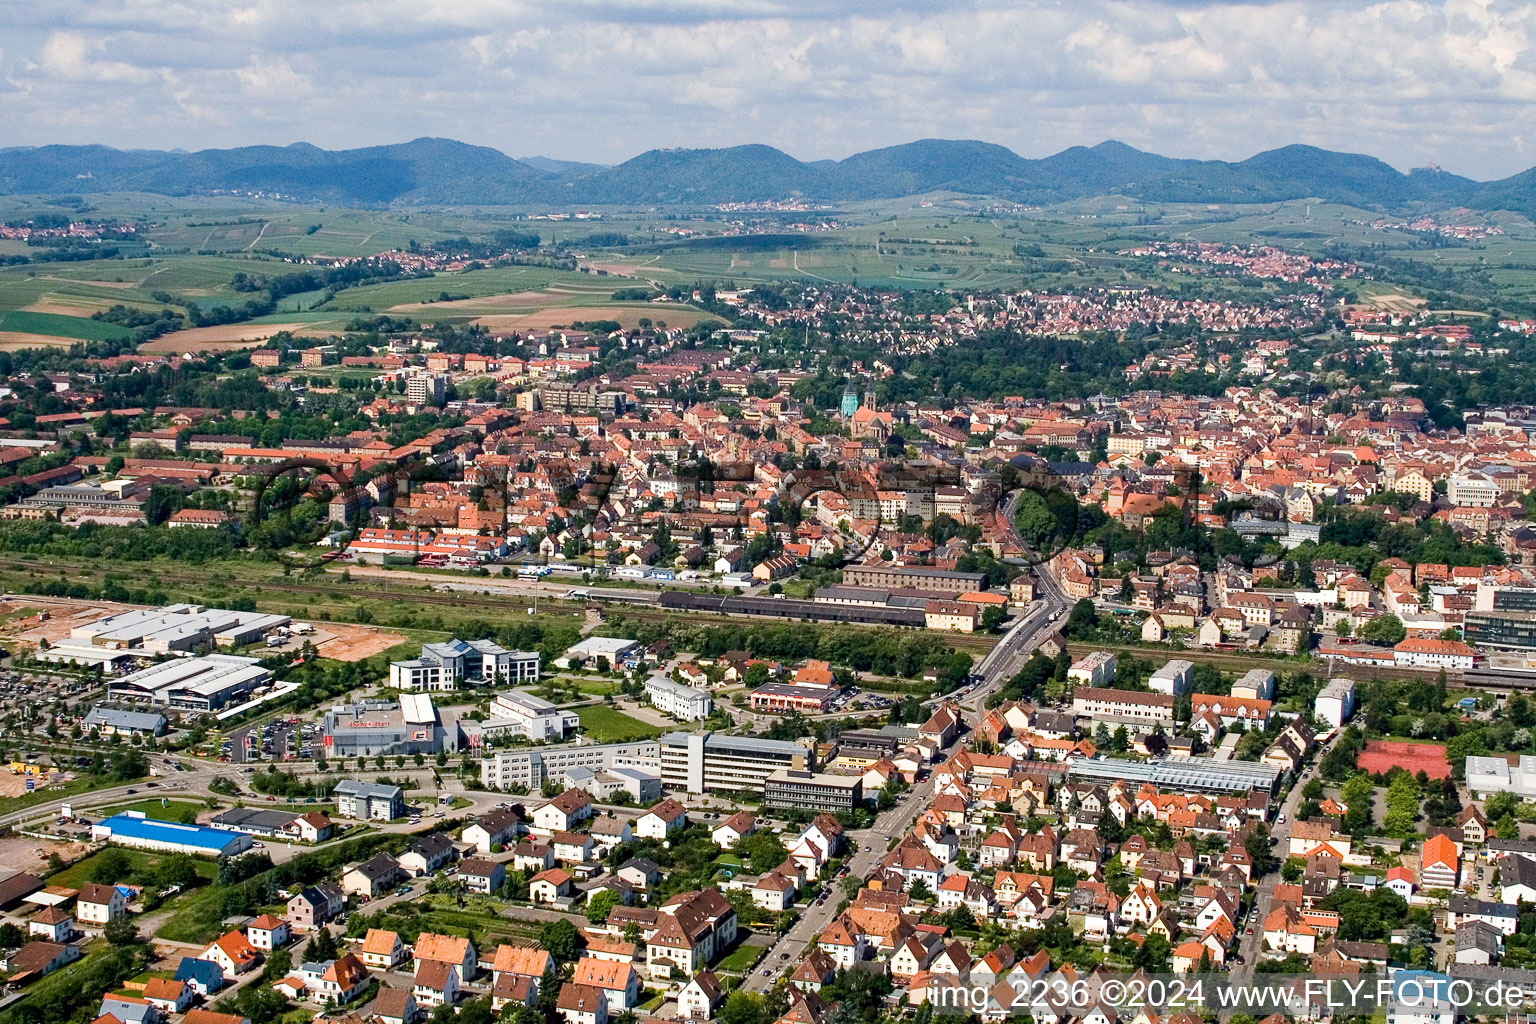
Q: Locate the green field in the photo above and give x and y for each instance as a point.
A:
(173, 810)
(606, 725)
(58, 326)
(78, 873)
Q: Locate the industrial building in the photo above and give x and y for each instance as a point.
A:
(688, 703)
(706, 762)
(812, 791)
(1489, 775)
(1178, 774)
(615, 649)
(449, 665)
(176, 628)
(132, 828)
(532, 767)
(369, 801)
(368, 729)
(207, 683)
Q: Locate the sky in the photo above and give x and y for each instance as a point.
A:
(1414, 82)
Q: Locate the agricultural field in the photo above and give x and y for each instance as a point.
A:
(197, 245)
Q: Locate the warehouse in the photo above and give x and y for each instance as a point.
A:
(132, 828)
(616, 650)
(176, 627)
(195, 684)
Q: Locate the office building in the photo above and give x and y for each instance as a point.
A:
(1512, 629)
(368, 801)
(688, 703)
(706, 762)
(812, 791)
(531, 767)
(453, 663)
(518, 713)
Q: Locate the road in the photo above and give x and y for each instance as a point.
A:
(1250, 946)
(999, 666)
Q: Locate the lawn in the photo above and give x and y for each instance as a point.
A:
(58, 326)
(740, 959)
(605, 725)
(184, 811)
(78, 873)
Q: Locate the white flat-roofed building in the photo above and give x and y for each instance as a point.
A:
(1255, 684)
(688, 703)
(196, 684)
(522, 714)
(1094, 669)
(1489, 775)
(706, 762)
(616, 649)
(1472, 490)
(1175, 678)
(532, 767)
(1336, 702)
(449, 665)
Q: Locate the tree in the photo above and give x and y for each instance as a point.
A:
(560, 939)
(322, 946)
(600, 904)
(1387, 629)
(761, 852)
(112, 866)
(121, 931)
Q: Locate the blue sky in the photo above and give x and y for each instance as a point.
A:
(1415, 82)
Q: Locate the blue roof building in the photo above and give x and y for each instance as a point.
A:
(203, 975)
(132, 828)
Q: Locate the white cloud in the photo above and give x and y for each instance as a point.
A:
(272, 79)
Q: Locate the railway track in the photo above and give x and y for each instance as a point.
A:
(461, 599)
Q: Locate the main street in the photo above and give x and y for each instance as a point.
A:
(999, 666)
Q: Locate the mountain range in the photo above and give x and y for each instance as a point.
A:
(431, 171)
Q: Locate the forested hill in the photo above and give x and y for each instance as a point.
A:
(442, 171)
